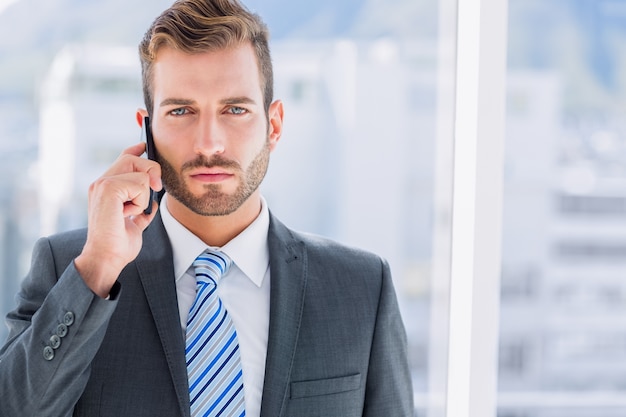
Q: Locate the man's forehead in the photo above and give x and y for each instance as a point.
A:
(228, 76)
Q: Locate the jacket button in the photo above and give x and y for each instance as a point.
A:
(61, 330)
(48, 353)
(68, 319)
(55, 341)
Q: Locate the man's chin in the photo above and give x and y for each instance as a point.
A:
(212, 204)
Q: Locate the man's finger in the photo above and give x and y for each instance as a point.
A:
(137, 149)
(129, 162)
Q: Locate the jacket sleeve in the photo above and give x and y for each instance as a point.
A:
(389, 389)
(54, 333)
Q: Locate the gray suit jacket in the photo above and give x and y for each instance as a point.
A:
(337, 345)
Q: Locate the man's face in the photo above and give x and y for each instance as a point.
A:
(210, 129)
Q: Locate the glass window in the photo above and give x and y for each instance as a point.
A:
(563, 316)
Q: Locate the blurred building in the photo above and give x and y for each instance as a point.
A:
(19, 225)
(87, 116)
(563, 310)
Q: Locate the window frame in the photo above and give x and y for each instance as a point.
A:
(477, 191)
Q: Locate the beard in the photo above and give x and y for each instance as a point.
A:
(213, 201)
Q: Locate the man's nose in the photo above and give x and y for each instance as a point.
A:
(210, 137)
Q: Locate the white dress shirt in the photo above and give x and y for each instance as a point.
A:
(244, 290)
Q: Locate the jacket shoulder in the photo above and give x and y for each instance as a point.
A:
(323, 252)
(64, 246)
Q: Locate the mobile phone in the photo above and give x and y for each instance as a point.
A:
(146, 136)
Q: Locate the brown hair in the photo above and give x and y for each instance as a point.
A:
(195, 26)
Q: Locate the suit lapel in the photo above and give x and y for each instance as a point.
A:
(156, 272)
(288, 274)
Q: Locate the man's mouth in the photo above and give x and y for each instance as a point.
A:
(211, 175)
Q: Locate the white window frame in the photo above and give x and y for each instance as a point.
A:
(479, 131)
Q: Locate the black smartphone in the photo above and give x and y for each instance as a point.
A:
(146, 136)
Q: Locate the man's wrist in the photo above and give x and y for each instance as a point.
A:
(99, 276)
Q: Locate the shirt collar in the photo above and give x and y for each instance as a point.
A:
(248, 250)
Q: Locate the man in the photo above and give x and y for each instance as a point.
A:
(103, 322)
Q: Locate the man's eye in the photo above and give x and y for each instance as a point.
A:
(237, 110)
(178, 112)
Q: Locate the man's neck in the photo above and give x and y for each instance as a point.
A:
(216, 230)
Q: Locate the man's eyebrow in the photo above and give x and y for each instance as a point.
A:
(238, 100)
(176, 102)
(188, 102)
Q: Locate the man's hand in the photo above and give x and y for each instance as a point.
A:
(116, 219)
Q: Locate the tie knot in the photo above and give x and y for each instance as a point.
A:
(211, 265)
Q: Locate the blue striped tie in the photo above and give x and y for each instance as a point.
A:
(213, 360)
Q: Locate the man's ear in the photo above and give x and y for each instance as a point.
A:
(141, 113)
(275, 116)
